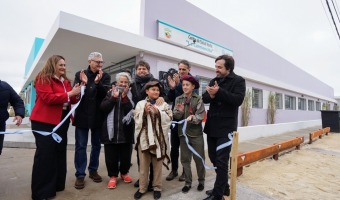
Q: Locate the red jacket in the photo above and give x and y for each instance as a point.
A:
(50, 100)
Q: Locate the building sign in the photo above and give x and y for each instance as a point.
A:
(179, 37)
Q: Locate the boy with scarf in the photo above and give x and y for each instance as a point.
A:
(152, 123)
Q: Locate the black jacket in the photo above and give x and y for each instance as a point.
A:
(8, 95)
(122, 132)
(222, 116)
(88, 114)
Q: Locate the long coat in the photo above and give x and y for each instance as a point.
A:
(118, 126)
(151, 131)
(222, 116)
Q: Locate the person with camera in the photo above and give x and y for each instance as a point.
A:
(176, 90)
(89, 117)
(143, 76)
(118, 129)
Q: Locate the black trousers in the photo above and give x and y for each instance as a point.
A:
(49, 167)
(174, 151)
(117, 158)
(2, 136)
(220, 160)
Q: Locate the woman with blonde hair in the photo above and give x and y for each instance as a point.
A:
(54, 96)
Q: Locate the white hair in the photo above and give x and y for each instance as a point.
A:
(95, 55)
(127, 75)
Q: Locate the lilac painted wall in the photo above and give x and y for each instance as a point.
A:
(248, 54)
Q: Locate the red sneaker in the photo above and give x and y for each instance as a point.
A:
(126, 178)
(112, 182)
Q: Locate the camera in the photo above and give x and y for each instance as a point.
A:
(171, 72)
(120, 89)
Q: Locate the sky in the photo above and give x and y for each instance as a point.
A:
(299, 31)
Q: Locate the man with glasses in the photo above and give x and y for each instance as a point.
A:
(88, 116)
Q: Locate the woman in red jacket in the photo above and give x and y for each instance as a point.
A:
(53, 102)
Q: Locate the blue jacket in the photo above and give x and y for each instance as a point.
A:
(8, 95)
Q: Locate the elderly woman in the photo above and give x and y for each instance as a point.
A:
(118, 128)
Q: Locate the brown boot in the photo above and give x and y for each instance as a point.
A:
(95, 177)
(80, 183)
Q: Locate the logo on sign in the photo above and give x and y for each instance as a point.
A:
(167, 33)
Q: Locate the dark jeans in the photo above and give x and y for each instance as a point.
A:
(174, 152)
(49, 166)
(117, 158)
(80, 156)
(2, 136)
(220, 159)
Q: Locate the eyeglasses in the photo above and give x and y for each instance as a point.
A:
(98, 62)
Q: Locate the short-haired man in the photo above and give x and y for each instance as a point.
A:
(88, 116)
(225, 93)
(176, 90)
(8, 95)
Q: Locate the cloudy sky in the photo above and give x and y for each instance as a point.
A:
(299, 31)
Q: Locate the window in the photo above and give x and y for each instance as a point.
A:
(310, 105)
(290, 102)
(318, 106)
(257, 99)
(279, 100)
(301, 104)
(203, 83)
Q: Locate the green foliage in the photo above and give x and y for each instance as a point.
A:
(245, 108)
(271, 111)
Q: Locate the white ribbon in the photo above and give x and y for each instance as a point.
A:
(55, 136)
(230, 136)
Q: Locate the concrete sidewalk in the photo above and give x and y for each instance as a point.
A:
(17, 159)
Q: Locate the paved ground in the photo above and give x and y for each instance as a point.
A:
(17, 159)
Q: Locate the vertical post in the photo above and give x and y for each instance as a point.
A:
(233, 177)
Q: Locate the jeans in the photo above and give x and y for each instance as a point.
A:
(80, 156)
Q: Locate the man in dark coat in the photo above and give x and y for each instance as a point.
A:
(225, 94)
(88, 116)
(8, 95)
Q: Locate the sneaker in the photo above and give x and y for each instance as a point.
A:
(200, 187)
(182, 177)
(138, 195)
(80, 183)
(126, 178)
(171, 176)
(186, 189)
(112, 182)
(95, 177)
(157, 194)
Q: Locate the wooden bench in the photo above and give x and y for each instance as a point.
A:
(318, 134)
(244, 159)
